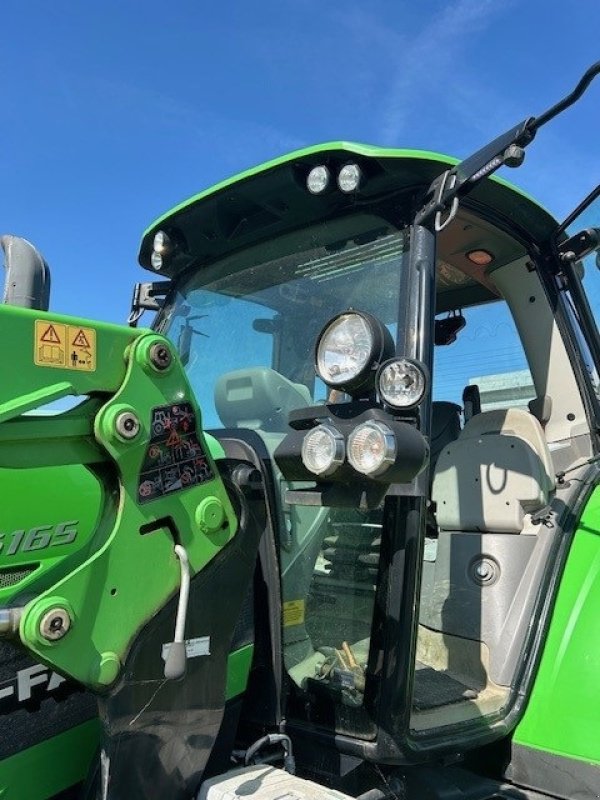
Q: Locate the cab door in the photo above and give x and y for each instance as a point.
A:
(555, 747)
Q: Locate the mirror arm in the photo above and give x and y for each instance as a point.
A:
(507, 149)
(567, 101)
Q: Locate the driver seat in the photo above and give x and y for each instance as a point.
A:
(258, 398)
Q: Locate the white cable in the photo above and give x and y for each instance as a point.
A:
(175, 662)
(184, 592)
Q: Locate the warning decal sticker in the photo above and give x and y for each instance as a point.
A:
(66, 346)
(293, 613)
(82, 348)
(174, 459)
(50, 343)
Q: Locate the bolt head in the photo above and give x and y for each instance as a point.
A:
(485, 571)
(127, 425)
(514, 156)
(160, 356)
(55, 624)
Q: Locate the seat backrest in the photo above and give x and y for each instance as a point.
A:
(445, 427)
(497, 471)
(258, 398)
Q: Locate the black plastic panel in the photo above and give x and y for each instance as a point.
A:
(159, 734)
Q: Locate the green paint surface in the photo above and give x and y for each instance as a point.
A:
(42, 771)
(106, 585)
(238, 670)
(74, 467)
(563, 714)
(42, 530)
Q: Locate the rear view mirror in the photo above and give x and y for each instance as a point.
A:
(446, 330)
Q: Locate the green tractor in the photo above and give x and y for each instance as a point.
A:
(331, 528)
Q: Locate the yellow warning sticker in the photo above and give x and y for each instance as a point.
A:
(50, 344)
(81, 353)
(293, 613)
(58, 345)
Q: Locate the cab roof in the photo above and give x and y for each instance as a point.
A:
(271, 199)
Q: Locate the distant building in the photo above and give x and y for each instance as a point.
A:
(514, 389)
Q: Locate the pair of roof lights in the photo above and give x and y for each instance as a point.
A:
(162, 248)
(349, 179)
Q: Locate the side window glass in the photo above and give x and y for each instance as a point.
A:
(590, 279)
(211, 341)
(588, 270)
(487, 353)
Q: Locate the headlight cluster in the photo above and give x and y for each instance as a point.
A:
(352, 355)
(349, 179)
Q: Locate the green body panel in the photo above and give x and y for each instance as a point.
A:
(31, 503)
(238, 670)
(50, 486)
(46, 769)
(564, 708)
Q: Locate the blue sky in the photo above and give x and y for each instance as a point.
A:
(114, 111)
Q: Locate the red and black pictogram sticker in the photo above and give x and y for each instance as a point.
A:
(174, 459)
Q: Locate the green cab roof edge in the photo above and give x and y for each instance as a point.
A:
(525, 205)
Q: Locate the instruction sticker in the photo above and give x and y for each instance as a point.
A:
(193, 647)
(175, 458)
(66, 346)
(293, 613)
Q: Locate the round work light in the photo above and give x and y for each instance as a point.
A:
(162, 243)
(156, 260)
(372, 448)
(349, 348)
(323, 450)
(317, 180)
(401, 382)
(349, 178)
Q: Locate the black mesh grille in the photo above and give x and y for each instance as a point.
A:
(10, 577)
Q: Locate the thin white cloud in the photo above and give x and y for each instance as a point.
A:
(427, 61)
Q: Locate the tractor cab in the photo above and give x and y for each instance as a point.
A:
(416, 381)
(343, 499)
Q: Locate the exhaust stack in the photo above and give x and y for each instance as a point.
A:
(27, 274)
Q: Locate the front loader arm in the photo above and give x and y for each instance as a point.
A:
(80, 605)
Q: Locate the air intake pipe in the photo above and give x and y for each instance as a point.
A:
(27, 274)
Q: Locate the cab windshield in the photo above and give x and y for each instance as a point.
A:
(246, 328)
(253, 310)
